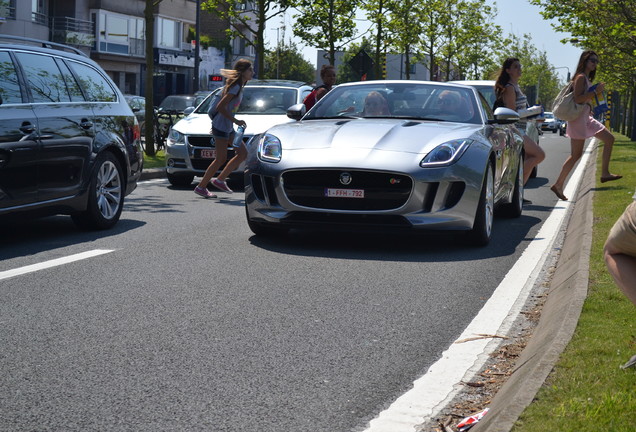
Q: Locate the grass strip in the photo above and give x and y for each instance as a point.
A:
(156, 161)
(587, 390)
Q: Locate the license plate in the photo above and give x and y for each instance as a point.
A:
(344, 193)
(208, 154)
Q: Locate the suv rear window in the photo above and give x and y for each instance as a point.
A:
(96, 87)
(44, 77)
(9, 87)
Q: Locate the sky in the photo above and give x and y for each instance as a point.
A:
(514, 16)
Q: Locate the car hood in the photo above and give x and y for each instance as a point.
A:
(405, 136)
(200, 124)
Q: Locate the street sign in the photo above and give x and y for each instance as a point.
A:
(361, 62)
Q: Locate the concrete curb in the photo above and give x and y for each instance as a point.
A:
(559, 318)
(152, 173)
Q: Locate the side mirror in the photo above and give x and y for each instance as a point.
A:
(296, 112)
(188, 111)
(505, 116)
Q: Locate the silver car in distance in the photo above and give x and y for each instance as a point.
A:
(388, 156)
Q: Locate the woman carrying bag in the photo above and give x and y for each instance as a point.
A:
(585, 126)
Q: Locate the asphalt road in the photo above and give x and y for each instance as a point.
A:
(192, 323)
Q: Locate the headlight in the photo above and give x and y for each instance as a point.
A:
(445, 154)
(269, 149)
(175, 137)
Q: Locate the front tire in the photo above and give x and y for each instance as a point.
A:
(482, 227)
(263, 230)
(515, 207)
(105, 200)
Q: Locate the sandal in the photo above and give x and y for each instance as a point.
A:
(558, 193)
(611, 177)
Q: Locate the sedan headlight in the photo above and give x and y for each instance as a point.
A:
(175, 137)
(445, 154)
(270, 149)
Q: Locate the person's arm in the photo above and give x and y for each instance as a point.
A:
(581, 93)
(222, 108)
(320, 93)
(510, 98)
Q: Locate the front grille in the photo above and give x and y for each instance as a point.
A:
(200, 141)
(382, 190)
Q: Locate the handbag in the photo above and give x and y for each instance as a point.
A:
(564, 106)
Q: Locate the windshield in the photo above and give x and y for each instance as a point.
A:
(399, 100)
(177, 103)
(259, 100)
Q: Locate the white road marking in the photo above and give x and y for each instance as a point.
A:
(52, 263)
(432, 391)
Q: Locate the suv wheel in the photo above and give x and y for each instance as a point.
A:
(105, 195)
(180, 180)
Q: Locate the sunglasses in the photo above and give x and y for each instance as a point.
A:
(593, 60)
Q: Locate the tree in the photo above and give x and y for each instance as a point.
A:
(471, 38)
(240, 12)
(431, 16)
(326, 24)
(287, 62)
(149, 14)
(377, 14)
(539, 80)
(404, 29)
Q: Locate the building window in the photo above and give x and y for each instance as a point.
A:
(38, 11)
(168, 33)
(120, 34)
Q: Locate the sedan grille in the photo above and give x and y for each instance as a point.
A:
(355, 190)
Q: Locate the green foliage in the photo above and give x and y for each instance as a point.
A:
(607, 27)
(538, 73)
(287, 63)
(248, 20)
(326, 24)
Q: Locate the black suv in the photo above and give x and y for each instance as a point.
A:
(69, 142)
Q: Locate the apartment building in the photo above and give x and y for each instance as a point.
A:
(112, 32)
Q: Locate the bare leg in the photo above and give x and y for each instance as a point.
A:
(221, 157)
(608, 142)
(576, 151)
(623, 269)
(533, 157)
(241, 154)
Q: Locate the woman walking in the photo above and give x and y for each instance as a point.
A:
(223, 121)
(585, 126)
(509, 95)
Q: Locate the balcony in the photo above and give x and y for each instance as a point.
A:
(72, 31)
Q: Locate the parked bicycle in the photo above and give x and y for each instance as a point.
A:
(163, 121)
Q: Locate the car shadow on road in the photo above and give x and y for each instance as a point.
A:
(508, 236)
(32, 236)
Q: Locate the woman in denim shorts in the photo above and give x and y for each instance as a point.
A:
(223, 121)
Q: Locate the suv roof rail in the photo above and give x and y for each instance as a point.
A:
(43, 44)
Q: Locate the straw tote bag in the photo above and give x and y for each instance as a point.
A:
(564, 106)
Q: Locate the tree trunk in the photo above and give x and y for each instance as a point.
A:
(150, 36)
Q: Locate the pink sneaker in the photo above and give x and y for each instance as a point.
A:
(204, 192)
(221, 185)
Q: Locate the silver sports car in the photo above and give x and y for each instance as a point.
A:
(388, 155)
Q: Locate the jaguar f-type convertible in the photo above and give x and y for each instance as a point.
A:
(388, 155)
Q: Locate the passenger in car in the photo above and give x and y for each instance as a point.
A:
(223, 122)
(375, 105)
(509, 95)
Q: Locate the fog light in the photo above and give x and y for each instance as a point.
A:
(171, 163)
